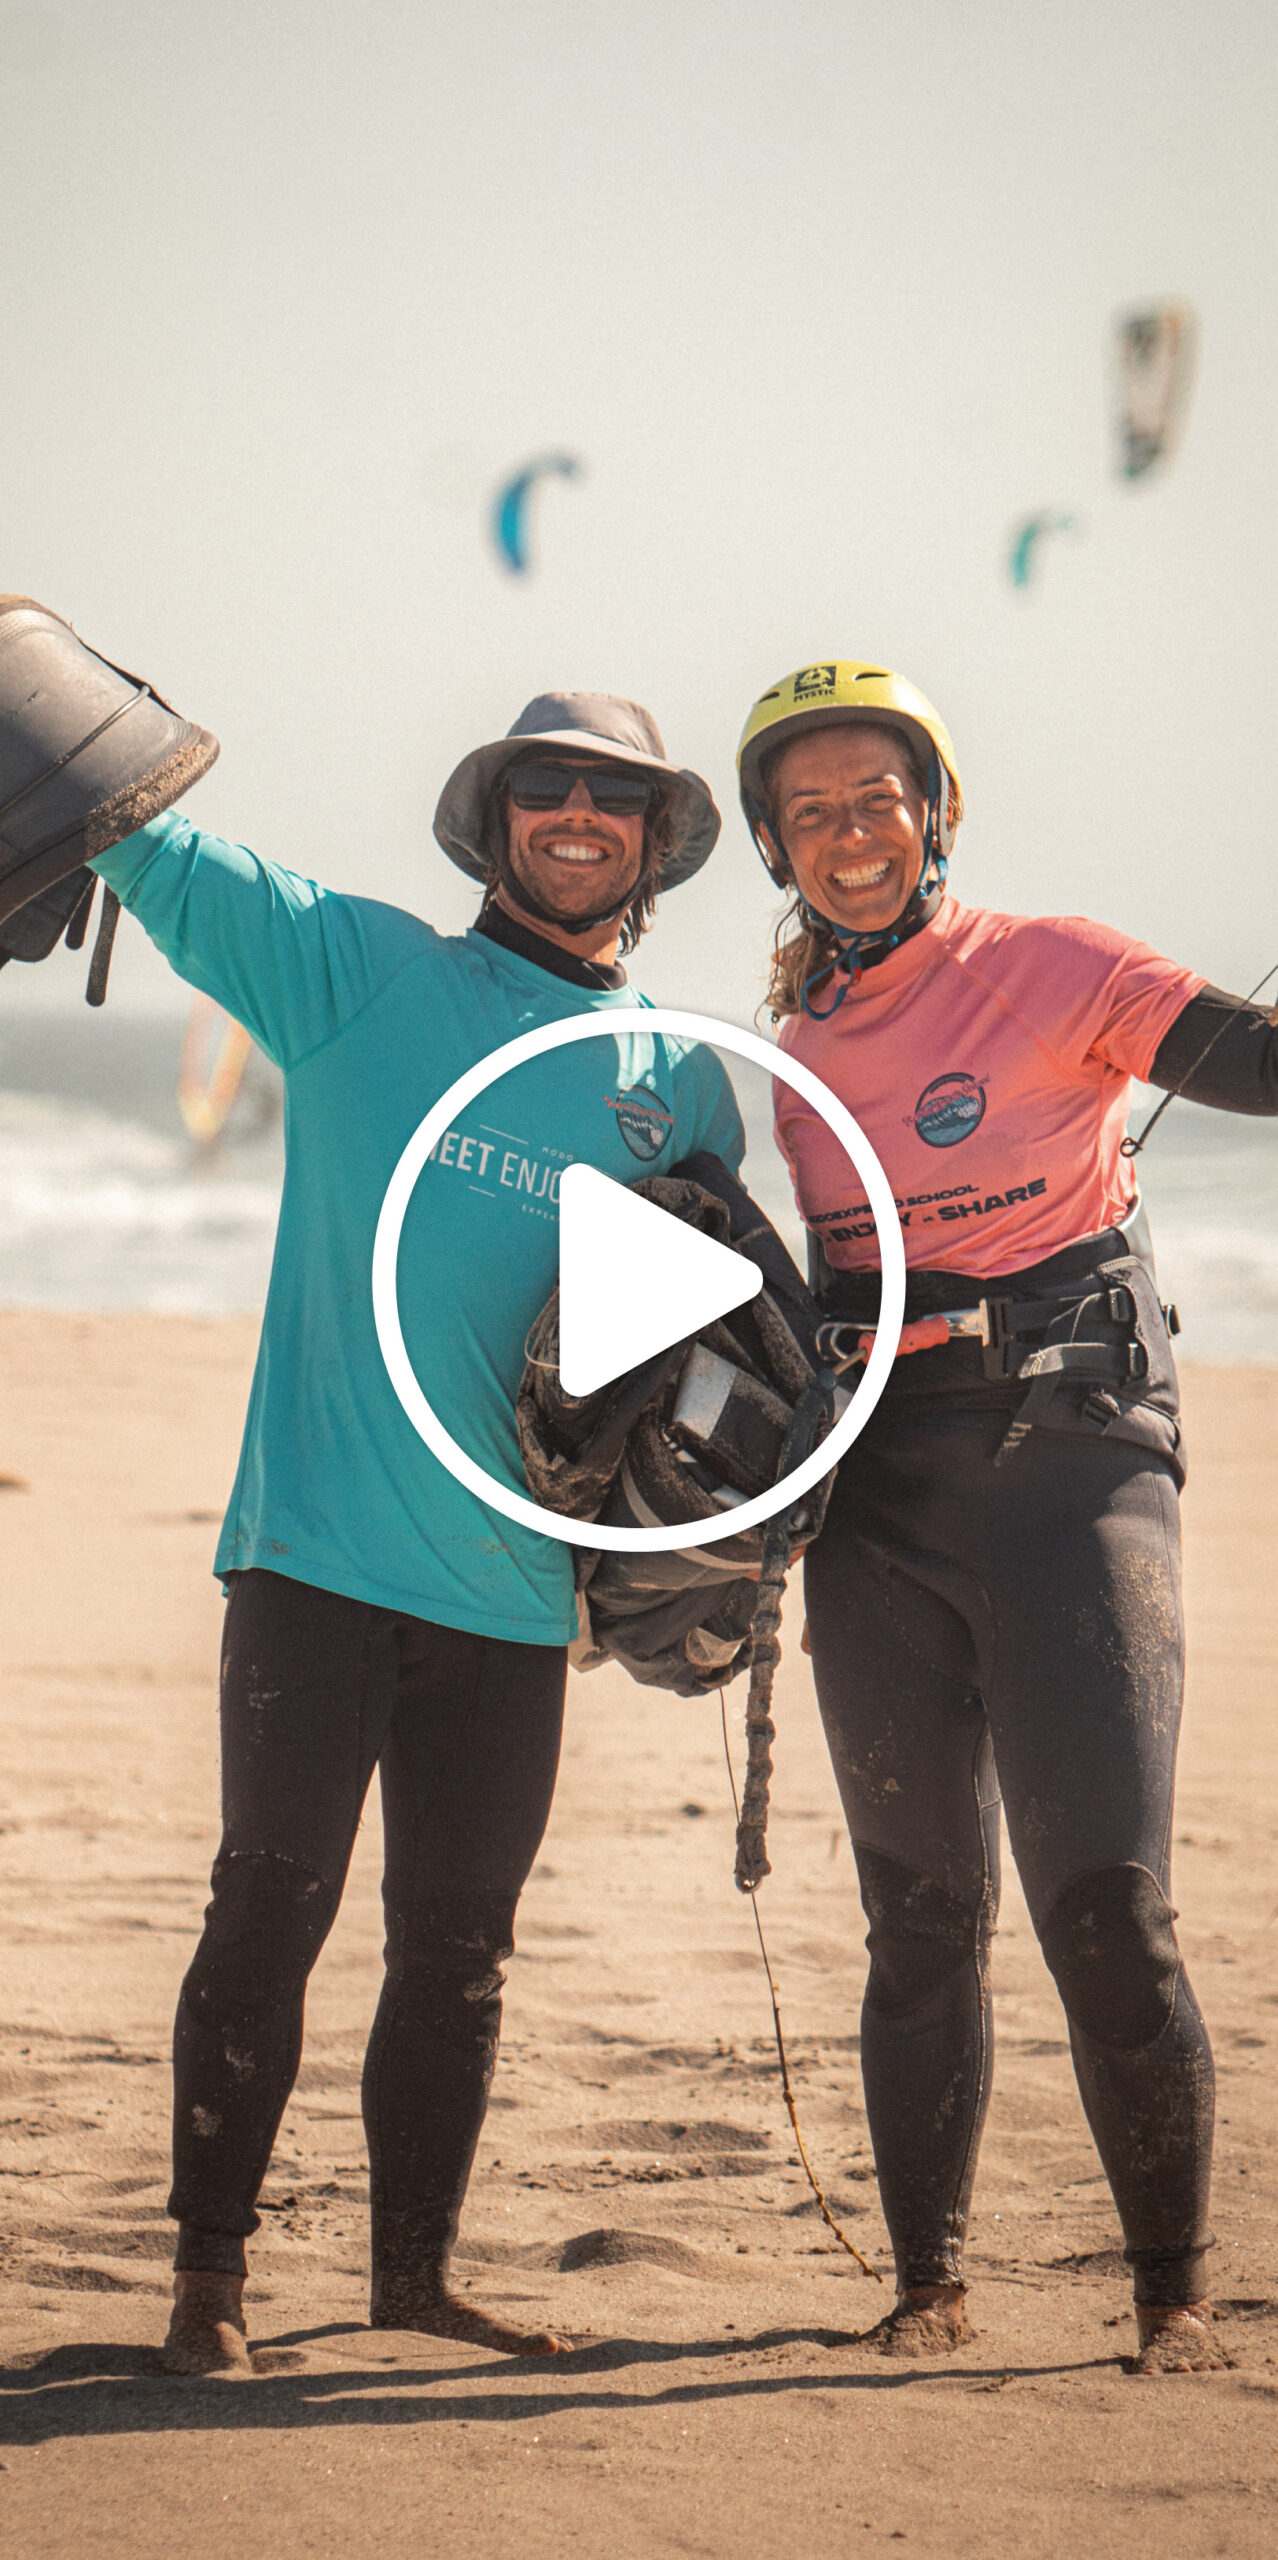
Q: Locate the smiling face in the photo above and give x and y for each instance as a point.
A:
(576, 863)
(851, 818)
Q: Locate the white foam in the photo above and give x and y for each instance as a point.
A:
(98, 1211)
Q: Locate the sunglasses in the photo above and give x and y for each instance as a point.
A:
(616, 790)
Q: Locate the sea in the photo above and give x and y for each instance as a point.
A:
(106, 1203)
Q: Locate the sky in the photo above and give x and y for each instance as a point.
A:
(823, 300)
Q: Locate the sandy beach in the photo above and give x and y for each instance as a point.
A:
(637, 2183)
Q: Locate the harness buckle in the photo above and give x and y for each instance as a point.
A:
(998, 1337)
(1100, 1409)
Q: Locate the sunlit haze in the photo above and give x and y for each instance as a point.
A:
(821, 298)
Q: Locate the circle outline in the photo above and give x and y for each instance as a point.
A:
(671, 1023)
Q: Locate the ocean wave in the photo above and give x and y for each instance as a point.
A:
(99, 1211)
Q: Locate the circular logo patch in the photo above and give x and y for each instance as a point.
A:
(949, 1109)
(644, 1122)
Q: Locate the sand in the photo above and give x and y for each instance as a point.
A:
(637, 2183)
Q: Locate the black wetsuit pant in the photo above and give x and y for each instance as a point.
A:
(317, 1691)
(973, 1626)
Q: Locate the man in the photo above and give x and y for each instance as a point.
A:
(379, 1615)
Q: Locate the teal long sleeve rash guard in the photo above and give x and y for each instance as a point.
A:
(371, 1015)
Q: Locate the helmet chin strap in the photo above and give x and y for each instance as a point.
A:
(505, 877)
(858, 952)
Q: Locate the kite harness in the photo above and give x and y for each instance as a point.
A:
(1085, 1332)
(696, 1429)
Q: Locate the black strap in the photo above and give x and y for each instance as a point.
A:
(78, 921)
(99, 966)
(1115, 1355)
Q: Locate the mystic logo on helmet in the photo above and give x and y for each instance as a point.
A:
(813, 681)
(949, 1109)
(643, 1119)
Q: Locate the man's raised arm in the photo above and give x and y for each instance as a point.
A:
(288, 959)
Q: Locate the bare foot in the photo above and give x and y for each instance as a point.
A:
(206, 2332)
(928, 2320)
(437, 2313)
(1175, 2340)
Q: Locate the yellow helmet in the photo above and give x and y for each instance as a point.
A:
(841, 689)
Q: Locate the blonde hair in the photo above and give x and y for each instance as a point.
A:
(805, 947)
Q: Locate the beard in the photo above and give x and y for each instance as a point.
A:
(613, 905)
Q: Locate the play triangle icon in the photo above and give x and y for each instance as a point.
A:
(632, 1280)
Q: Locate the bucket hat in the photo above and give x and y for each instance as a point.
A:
(599, 724)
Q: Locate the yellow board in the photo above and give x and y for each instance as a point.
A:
(214, 1055)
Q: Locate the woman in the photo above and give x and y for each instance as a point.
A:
(997, 1586)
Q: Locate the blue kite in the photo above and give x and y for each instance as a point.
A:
(510, 506)
(1020, 561)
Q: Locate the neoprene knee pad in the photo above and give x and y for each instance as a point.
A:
(444, 1960)
(263, 1930)
(1110, 1945)
(920, 1933)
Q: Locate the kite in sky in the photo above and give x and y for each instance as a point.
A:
(1155, 350)
(510, 507)
(1025, 542)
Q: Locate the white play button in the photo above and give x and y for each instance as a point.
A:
(632, 1280)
